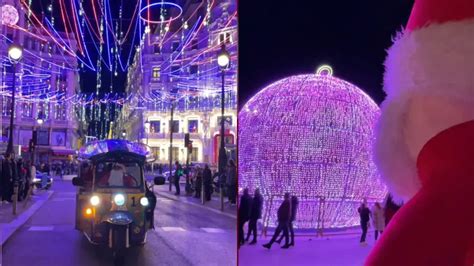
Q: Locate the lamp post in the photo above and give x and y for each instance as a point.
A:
(223, 60)
(124, 134)
(15, 52)
(171, 143)
(147, 130)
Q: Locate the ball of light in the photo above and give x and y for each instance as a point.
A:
(10, 15)
(311, 135)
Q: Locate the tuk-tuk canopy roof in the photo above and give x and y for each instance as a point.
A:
(94, 148)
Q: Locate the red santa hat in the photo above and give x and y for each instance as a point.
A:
(429, 82)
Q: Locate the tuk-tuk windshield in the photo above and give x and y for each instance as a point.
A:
(118, 175)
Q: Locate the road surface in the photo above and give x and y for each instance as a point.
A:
(185, 235)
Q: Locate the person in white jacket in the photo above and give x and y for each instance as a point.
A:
(378, 219)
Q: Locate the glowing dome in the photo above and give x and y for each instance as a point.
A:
(311, 135)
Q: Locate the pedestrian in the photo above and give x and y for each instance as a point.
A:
(198, 182)
(364, 214)
(255, 214)
(284, 215)
(8, 176)
(294, 209)
(232, 182)
(378, 219)
(390, 208)
(207, 178)
(244, 214)
(177, 174)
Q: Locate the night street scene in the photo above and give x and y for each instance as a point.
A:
(355, 132)
(118, 132)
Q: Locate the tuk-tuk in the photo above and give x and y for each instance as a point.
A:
(114, 204)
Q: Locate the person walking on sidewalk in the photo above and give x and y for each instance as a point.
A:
(255, 214)
(294, 209)
(8, 176)
(177, 174)
(378, 219)
(284, 215)
(364, 214)
(244, 214)
(207, 176)
(232, 182)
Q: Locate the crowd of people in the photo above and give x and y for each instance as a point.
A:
(250, 211)
(201, 179)
(379, 215)
(21, 173)
(14, 172)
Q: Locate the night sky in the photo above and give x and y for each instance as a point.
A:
(281, 38)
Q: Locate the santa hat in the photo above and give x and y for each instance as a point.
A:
(429, 78)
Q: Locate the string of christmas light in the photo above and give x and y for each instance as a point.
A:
(311, 136)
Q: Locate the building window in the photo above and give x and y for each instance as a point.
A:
(155, 126)
(156, 152)
(156, 72)
(156, 49)
(175, 153)
(175, 70)
(227, 120)
(194, 155)
(194, 44)
(175, 126)
(60, 112)
(27, 110)
(224, 37)
(193, 69)
(193, 126)
(174, 46)
(6, 106)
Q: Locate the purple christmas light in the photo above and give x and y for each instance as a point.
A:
(311, 135)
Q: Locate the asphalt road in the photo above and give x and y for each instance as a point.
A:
(184, 235)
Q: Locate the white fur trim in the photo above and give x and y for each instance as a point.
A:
(437, 60)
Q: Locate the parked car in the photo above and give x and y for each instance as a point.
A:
(37, 182)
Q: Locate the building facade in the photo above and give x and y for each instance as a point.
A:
(175, 71)
(46, 80)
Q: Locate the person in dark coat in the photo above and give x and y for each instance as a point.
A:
(8, 177)
(284, 216)
(244, 214)
(177, 174)
(255, 214)
(232, 182)
(207, 176)
(364, 214)
(198, 183)
(294, 209)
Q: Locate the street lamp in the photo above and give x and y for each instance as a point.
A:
(15, 52)
(124, 134)
(223, 60)
(40, 119)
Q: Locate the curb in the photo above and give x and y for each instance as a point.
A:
(165, 195)
(9, 229)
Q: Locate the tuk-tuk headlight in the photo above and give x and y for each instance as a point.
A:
(144, 201)
(95, 200)
(119, 199)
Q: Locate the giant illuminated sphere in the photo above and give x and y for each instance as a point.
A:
(10, 15)
(311, 135)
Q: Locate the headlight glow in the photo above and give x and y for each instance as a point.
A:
(144, 201)
(95, 200)
(119, 199)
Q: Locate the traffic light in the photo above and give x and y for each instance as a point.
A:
(186, 140)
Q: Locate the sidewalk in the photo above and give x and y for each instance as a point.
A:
(213, 205)
(9, 223)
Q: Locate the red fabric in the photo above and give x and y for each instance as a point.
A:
(436, 227)
(425, 12)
